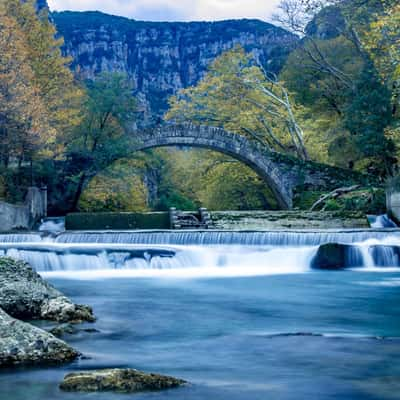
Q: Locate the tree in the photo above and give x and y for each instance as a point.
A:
(331, 74)
(367, 116)
(243, 98)
(296, 15)
(118, 188)
(329, 19)
(191, 178)
(24, 124)
(52, 77)
(102, 137)
(383, 43)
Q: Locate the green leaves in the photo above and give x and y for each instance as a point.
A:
(241, 97)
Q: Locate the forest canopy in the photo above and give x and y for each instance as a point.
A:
(336, 101)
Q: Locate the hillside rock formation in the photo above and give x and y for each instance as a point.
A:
(162, 57)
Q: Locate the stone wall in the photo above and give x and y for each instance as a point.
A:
(25, 216)
(283, 174)
(272, 220)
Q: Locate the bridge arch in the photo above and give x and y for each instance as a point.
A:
(282, 173)
(256, 157)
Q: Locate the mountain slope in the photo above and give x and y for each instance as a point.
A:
(163, 57)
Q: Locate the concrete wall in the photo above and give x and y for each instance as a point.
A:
(117, 221)
(25, 216)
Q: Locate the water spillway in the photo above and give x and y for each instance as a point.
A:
(241, 238)
(197, 253)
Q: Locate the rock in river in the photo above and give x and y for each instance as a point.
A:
(331, 256)
(24, 344)
(69, 329)
(118, 380)
(25, 295)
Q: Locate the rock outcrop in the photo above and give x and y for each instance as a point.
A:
(331, 256)
(25, 295)
(118, 380)
(162, 57)
(23, 344)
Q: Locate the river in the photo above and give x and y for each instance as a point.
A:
(240, 315)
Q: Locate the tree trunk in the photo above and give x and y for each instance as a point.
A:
(79, 190)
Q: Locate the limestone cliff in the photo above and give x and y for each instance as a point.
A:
(163, 57)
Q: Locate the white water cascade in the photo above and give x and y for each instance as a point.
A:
(195, 253)
(381, 221)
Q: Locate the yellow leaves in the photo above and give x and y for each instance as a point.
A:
(236, 95)
(57, 97)
(383, 43)
(119, 188)
(24, 114)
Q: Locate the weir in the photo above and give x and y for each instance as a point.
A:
(203, 253)
(245, 238)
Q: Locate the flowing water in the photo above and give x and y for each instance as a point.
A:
(240, 315)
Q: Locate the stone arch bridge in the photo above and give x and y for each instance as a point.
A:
(282, 173)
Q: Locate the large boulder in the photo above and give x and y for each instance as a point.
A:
(24, 344)
(117, 380)
(331, 256)
(24, 294)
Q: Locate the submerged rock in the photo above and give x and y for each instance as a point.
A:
(64, 329)
(118, 380)
(24, 294)
(24, 344)
(330, 256)
(69, 329)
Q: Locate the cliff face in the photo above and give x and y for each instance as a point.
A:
(161, 58)
(40, 4)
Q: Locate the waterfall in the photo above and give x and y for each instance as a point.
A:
(196, 253)
(201, 238)
(385, 256)
(213, 260)
(381, 221)
(20, 238)
(52, 225)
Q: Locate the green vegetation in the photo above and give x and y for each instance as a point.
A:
(349, 109)
(335, 102)
(369, 201)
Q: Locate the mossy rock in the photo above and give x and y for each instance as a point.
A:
(118, 380)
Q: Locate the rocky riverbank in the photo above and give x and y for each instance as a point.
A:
(25, 296)
(23, 344)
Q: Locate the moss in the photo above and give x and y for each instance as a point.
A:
(305, 199)
(117, 380)
(332, 205)
(363, 201)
